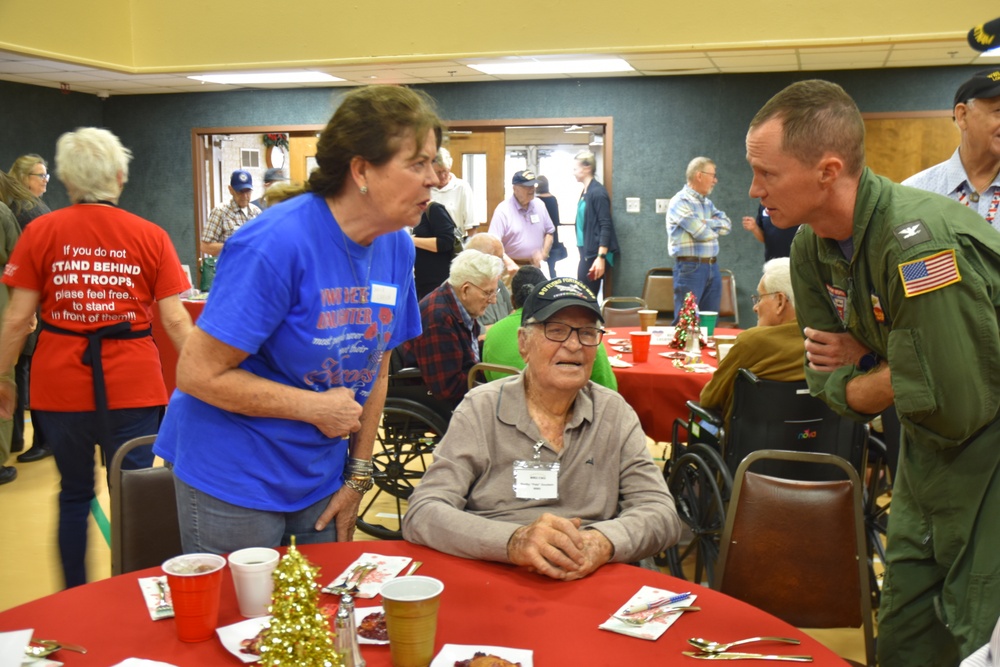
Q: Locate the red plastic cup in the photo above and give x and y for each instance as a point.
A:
(640, 345)
(195, 582)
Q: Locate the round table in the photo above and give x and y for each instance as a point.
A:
(483, 603)
(658, 391)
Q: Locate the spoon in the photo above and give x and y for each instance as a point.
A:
(706, 646)
(40, 648)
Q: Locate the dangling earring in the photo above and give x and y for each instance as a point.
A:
(364, 189)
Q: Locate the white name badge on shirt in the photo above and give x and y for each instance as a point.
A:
(535, 219)
(384, 293)
(534, 480)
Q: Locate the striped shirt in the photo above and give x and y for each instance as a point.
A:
(694, 225)
(224, 220)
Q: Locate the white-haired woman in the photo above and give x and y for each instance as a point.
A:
(772, 350)
(454, 193)
(95, 271)
(449, 344)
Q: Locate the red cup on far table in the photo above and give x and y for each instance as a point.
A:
(195, 582)
(640, 345)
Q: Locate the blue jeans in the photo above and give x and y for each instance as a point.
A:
(210, 525)
(71, 436)
(702, 280)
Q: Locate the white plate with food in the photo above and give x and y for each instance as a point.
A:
(465, 655)
(241, 638)
(370, 622)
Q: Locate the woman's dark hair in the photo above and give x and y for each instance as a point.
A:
(523, 283)
(371, 123)
(543, 185)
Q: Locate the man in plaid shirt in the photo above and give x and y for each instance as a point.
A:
(694, 226)
(227, 218)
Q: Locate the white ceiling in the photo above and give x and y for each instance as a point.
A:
(79, 78)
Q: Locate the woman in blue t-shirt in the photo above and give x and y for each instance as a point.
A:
(281, 386)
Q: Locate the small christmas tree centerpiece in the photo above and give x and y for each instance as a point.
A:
(299, 634)
(687, 321)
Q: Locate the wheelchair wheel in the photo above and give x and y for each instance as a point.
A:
(403, 445)
(700, 506)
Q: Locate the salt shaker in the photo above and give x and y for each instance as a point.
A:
(346, 641)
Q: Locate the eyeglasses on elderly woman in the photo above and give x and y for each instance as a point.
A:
(557, 332)
(755, 298)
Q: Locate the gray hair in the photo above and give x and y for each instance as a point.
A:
(778, 278)
(88, 163)
(472, 266)
(696, 165)
(443, 158)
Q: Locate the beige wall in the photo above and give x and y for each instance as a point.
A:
(146, 36)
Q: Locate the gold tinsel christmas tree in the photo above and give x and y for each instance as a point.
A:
(299, 634)
(687, 320)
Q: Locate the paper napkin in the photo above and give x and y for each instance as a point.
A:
(387, 567)
(655, 627)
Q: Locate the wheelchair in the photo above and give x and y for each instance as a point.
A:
(766, 415)
(413, 423)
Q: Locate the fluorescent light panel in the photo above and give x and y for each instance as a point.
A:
(595, 66)
(268, 77)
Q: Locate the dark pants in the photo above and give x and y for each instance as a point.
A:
(583, 268)
(21, 376)
(72, 436)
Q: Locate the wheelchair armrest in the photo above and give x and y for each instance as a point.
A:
(711, 416)
(749, 376)
(409, 373)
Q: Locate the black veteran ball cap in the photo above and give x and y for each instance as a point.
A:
(550, 297)
(983, 84)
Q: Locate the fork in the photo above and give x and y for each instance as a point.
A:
(658, 614)
(162, 606)
(357, 575)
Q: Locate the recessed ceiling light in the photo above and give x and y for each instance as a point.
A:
(267, 77)
(595, 66)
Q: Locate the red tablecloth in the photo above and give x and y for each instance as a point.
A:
(657, 390)
(168, 355)
(482, 603)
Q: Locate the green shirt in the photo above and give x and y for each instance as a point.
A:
(500, 347)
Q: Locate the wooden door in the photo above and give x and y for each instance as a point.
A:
(488, 142)
(899, 146)
(301, 156)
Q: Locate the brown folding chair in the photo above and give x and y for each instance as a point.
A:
(622, 311)
(658, 293)
(729, 310)
(477, 374)
(144, 527)
(797, 549)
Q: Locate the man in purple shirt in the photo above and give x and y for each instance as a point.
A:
(522, 223)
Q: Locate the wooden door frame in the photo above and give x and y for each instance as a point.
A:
(200, 153)
(606, 121)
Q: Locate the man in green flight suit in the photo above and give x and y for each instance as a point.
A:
(898, 292)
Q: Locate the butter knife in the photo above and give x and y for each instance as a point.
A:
(747, 656)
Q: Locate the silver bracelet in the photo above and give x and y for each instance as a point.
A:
(360, 467)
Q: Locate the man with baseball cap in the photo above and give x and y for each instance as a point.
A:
(271, 176)
(585, 490)
(522, 223)
(227, 218)
(971, 175)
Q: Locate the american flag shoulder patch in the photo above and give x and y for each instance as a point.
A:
(929, 273)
